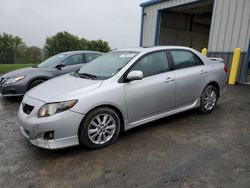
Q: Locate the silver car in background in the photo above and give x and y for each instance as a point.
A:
(18, 82)
(119, 91)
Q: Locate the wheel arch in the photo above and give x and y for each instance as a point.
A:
(117, 110)
(216, 85)
(36, 78)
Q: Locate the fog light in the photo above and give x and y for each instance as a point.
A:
(49, 135)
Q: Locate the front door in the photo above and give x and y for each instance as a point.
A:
(72, 63)
(155, 93)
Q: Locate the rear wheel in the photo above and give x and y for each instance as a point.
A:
(36, 82)
(99, 128)
(208, 99)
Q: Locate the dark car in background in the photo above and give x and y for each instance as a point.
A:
(18, 82)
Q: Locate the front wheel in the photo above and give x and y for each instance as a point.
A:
(208, 99)
(99, 128)
(35, 83)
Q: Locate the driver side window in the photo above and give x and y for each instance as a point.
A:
(73, 60)
(152, 64)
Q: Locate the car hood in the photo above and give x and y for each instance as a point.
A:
(63, 88)
(21, 72)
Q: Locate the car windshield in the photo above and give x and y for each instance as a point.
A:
(107, 65)
(52, 61)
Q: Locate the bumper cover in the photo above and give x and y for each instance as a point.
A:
(15, 89)
(52, 144)
(65, 126)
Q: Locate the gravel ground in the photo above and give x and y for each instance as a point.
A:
(184, 150)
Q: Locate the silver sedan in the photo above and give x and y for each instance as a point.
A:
(119, 91)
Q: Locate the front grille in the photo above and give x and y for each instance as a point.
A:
(27, 108)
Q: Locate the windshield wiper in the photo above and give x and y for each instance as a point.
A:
(87, 75)
(74, 73)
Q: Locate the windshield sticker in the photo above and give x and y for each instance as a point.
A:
(127, 55)
(61, 55)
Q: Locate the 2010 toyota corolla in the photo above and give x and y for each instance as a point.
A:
(118, 91)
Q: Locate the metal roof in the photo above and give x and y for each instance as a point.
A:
(150, 2)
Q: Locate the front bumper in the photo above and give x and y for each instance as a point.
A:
(64, 125)
(15, 89)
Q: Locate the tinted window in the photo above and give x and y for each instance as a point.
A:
(52, 61)
(152, 64)
(73, 60)
(90, 56)
(185, 59)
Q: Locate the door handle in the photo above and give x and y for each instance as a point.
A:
(203, 72)
(169, 79)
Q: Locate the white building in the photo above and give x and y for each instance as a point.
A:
(219, 25)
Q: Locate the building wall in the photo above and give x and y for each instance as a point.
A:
(230, 28)
(150, 19)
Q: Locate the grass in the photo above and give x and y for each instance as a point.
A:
(10, 67)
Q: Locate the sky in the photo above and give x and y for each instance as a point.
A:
(115, 21)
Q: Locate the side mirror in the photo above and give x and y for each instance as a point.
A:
(59, 66)
(135, 75)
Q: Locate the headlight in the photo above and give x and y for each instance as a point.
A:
(13, 80)
(53, 108)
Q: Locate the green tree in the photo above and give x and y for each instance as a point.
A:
(84, 44)
(33, 54)
(10, 47)
(61, 42)
(64, 41)
(98, 45)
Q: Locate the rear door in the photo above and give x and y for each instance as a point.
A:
(155, 93)
(190, 76)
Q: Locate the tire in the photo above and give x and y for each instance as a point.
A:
(208, 99)
(96, 125)
(36, 82)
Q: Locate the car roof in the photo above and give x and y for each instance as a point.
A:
(79, 52)
(154, 48)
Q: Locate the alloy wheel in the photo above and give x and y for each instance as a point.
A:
(101, 128)
(210, 99)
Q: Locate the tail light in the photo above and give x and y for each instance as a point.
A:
(225, 68)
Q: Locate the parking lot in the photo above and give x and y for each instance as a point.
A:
(184, 150)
